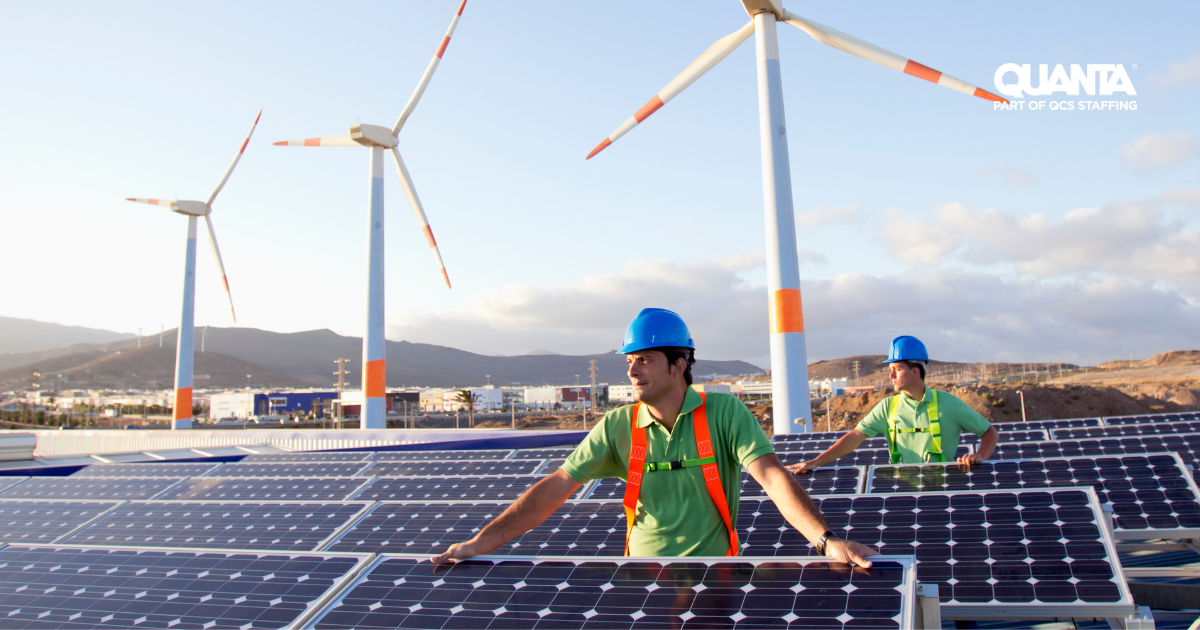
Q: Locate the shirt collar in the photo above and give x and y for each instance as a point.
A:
(928, 397)
(691, 401)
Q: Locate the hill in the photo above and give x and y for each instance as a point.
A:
(28, 335)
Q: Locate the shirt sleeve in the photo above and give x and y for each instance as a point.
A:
(593, 459)
(967, 418)
(748, 439)
(875, 422)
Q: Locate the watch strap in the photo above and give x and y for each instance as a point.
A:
(823, 540)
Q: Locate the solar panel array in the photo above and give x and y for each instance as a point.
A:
(1027, 435)
(272, 489)
(1153, 428)
(46, 521)
(824, 480)
(292, 469)
(77, 488)
(1184, 416)
(1046, 424)
(1186, 445)
(452, 469)
(146, 470)
(444, 456)
(437, 488)
(330, 456)
(862, 456)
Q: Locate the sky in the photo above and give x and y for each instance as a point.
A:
(997, 235)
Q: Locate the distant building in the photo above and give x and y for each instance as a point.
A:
(397, 403)
(620, 394)
(486, 399)
(708, 388)
(242, 405)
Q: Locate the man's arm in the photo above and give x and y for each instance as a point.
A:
(798, 509)
(987, 444)
(530, 510)
(844, 446)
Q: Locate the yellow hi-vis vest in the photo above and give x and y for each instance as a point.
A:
(935, 430)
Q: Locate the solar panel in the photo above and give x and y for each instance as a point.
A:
(328, 456)
(295, 469)
(1187, 445)
(793, 446)
(8, 482)
(551, 466)
(219, 525)
(46, 521)
(1182, 416)
(1008, 436)
(1019, 554)
(804, 437)
(560, 452)
(76, 488)
(273, 489)
(442, 456)
(145, 470)
(824, 480)
(1155, 428)
(566, 592)
(1152, 495)
(434, 488)
(451, 469)
(67, 587)
(859, 457)
(1046, 424)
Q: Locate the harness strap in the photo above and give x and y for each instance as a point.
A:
(680, 463)
(712, 477)
(633, 482)
(935, 430)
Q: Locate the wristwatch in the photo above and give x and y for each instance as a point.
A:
(824, 540)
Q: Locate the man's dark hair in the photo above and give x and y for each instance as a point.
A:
(675, 353)
(913, 364)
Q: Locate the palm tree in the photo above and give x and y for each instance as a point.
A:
(465, 397)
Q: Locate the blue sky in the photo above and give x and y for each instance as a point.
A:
(995, 235)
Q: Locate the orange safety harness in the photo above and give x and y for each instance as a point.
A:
(707, 462)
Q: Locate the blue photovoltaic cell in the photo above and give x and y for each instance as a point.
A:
(318, 456)
(154, 469)
(1187, 445)
(56, 587)
(294, 469)
(793, 446)
(454, 488)
(1182, 416)
(8, 482)
(1155, 428)
(1007, 436)
(551, 466)
(585, 592)
(260, 489)
(1151, 495)
(45, 521)
(824, 480)
(442, 456)
(561, 452)
(1046, 424)
(1019, 549)
(859, 457)
(77, 488)
(268, 526)
(816, 435)
(452, 469)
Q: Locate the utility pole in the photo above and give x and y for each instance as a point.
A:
(139, 336)
(856, 364)
(593, 370)
(489, 378)
(161, 329)
(1022, 404)
(203, 338)
(341, 373)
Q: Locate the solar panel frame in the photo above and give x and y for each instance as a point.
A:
(75, 537)
(307, 456)
(1119, 532)
(1127, 430)
(443, 456)
(212, 485)
(572, 598)
(360, 562)
(103, 509)
(487, 468)
(298, 469)
(9, 482)
(44, 487)
(551, 466)
(148, 469)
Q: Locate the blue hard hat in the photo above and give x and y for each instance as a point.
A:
(906, 348)
(654, 328)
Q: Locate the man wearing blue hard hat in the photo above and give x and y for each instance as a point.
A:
(921, 424)
(681, 454)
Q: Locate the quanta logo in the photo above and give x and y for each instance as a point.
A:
(1104, 79)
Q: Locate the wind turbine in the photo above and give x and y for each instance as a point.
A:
(789, 362)
(377, 138)
(186, 341)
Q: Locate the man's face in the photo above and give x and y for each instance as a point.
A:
(649, 373)
(904, 376)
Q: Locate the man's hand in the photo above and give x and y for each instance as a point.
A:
(968, 459)
(456, 552)
(803, 467)
(849, 552)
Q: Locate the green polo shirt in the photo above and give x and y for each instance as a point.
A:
(954, 416)
(676, 516)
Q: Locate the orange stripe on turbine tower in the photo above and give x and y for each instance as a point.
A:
(787, 313)
(183, 404)
(375, 379)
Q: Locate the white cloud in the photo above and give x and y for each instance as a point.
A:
(1013, 177)
(1181, 72)
(829, 215)
(1158, 151)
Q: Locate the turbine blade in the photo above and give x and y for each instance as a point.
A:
(433, 64)
(410, 191)
(695, 70)
(166, 203)
(327, 141)
(859, 48)
(229, 171)
(212, 240)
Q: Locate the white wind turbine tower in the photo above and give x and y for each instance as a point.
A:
(789, 362)
(377, 138)
(186, 342)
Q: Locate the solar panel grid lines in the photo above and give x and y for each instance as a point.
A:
(90, 488)
(1036, 435)
(1177, 416)
(8, 482)
(1031, 554)
(150, 469)
(436, 488)
(442, 456)
(65, 586)
(1187, 445)
(274, 526)
(503, 468)
(290, 469)
(1155, 428)
(25, 521)
(859, 457)
(1047, 424)
(544, 453)
(803, 437)
(824, 480)
(606, 592)
(265, 489)
(1151, 495)
(551, 466)
(315, 456)
(792, 446)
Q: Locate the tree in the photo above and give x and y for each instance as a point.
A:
(465, 397)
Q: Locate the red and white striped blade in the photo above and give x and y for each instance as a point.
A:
(695, 70)
(166, 203)
(327, 141)
(433, 64)
(238, 156)
(212, 240)
(410, 191)
(859, 48)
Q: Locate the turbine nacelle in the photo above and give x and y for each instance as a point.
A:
(192, 208)
(373, 136)
(754, 7)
